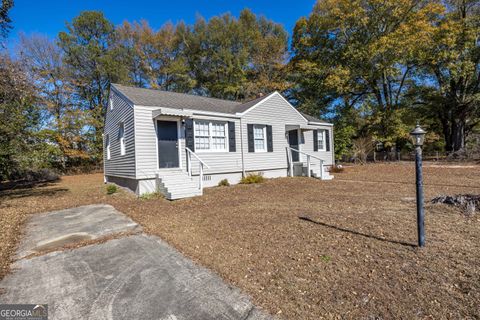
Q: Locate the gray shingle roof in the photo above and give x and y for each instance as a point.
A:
(160, 98)
(168, 99)
(310, 118)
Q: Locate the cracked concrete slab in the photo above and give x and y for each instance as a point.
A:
(127, 277)
(136, 277)
(56, 229)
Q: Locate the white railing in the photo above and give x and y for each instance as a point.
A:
(201, 164)
(290, 162)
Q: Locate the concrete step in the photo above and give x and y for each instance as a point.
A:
(176, 184)
(181, 195)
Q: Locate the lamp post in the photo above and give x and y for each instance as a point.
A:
(418, 137)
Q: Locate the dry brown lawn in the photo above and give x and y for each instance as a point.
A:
(353, 257)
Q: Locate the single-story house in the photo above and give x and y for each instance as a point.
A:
(176, 144)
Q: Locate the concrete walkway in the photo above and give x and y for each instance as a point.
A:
(130, 277)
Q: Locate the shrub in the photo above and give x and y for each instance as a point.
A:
(224, 183)
(151, 195)
(252, 178)
(337, 168)
(111, 188)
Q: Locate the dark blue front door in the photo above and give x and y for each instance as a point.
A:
(293, 142)
(167, 144)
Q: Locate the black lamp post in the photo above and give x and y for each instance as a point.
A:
(418, 137)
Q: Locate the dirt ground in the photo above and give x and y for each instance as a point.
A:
(304, 248)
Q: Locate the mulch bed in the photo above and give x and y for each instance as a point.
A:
(307, 249)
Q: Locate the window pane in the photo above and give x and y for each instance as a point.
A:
(218, 129)
(258, 132)
(321, 144)
(218, 143)
(201, 128)
(259, 145)
(259, 137)
(202, 143)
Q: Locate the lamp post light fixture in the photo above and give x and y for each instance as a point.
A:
(418, 137)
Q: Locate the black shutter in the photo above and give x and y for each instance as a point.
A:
(327, 139)
(231, 137)
(315, 140)
(251, 142)
(269, 139)
(189, 138)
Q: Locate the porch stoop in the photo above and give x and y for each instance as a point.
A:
(177, 184)
(300, 169)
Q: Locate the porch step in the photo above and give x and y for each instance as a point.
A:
(315, 171)
(176, 184)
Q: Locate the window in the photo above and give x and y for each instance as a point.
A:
(107, 143)
(121, 137)
(259, 136)
(210, 135)
(321, 140)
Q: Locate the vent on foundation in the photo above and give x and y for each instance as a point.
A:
(207, 178)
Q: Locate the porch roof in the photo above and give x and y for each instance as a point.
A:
(171, 112)
(289, 127)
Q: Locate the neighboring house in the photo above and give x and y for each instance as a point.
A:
(178, 143)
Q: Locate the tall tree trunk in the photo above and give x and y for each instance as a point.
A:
(458, 135)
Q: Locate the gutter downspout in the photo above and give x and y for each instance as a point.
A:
(332, 148)
(241, 146)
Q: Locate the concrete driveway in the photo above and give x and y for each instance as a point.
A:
(131, 276)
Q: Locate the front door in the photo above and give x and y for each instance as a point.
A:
(293, 142)
(167, 144)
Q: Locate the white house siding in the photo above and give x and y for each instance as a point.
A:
(119, 165)
(274, 111)
(146, 143)
(307, 146)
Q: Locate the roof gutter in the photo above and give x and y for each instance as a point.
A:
(320, 123)
(197, 112)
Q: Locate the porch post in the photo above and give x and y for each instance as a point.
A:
(308, 166)
(200, 183)
(321, 169)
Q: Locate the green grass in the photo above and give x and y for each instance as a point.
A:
(111, 188)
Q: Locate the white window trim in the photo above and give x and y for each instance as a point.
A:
(110, 102)
(210, 140)
(264, 129)
(109, 155)
(123, 147)
(323, 135)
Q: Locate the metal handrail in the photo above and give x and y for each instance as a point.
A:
(201, 164)
(195, 155)
(290, 161)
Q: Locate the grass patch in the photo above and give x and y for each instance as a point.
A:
(151, 195)
(111, 189)
(325, 258)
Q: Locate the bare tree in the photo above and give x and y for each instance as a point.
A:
(43, 60)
